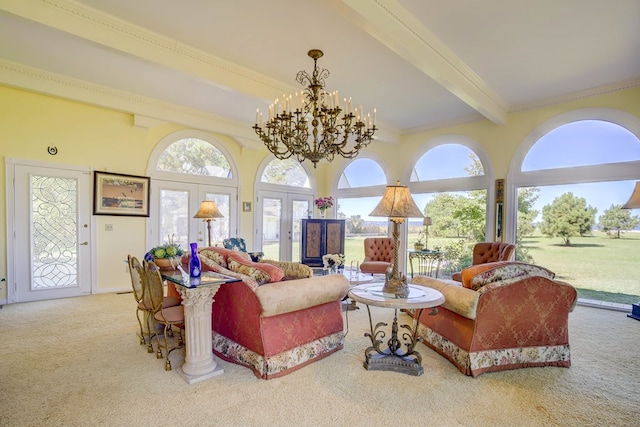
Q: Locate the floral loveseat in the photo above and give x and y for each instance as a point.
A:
(504, 315)
(278, 318)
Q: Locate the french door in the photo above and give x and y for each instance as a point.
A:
(173, 206)
(279, 225)
(49, 255)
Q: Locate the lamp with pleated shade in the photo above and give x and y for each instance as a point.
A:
(396, 204)
(208, 212)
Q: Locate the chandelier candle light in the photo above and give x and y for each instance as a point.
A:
(336, 129)
(397, 204)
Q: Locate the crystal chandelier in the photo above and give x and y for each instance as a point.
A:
(335, 128)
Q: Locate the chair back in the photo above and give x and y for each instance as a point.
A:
(378, 249)
(485, 252)
(154, 292)
(235, 243)
(137, 276)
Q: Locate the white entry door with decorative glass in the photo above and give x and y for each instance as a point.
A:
(173, 206)
(279, 230)
(50, 255)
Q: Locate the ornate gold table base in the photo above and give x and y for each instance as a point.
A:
(400, 354)
(393, 358)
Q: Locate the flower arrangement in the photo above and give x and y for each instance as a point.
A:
(171, 249)
(333, 261)
(323, 203)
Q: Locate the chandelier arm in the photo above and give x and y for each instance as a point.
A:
(332, 129)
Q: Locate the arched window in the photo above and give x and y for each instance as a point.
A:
(285, 172)
(193, 156)
(450, 184)
(357, 191)
(582, 143)
(586, 163)
(186, 168)
(447, 161)
(362, 172)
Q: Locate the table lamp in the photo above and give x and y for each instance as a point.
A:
(426, 223)
(396, 204)
(634, 203)
(208, 212)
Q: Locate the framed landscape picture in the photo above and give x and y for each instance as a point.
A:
(118, 194)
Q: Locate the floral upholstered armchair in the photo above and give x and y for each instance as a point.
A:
(503, 315)
(238, 244)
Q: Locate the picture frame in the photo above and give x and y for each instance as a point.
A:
(246, 206)
(120, 194)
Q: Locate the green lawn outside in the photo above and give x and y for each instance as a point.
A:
(600, 267)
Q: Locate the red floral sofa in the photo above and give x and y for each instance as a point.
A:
(278, 318)
(504, 315)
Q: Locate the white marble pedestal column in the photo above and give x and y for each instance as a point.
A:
(199, 363)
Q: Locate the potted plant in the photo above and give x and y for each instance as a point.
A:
(419, 243)
(323, 203)
(165, 256)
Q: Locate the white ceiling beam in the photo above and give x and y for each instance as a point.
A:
(400, 31)
(90, 24)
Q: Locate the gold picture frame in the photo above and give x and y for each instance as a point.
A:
(246, 206)
(119, 194)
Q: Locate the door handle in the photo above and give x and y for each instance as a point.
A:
(84, 244)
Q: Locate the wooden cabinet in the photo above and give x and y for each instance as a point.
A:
(321, 237)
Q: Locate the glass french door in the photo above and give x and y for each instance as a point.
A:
(175, 203)
(50, 255)
(279, 226)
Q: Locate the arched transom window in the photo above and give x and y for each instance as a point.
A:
(193, 156)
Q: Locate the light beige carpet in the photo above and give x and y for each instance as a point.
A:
(77, 362)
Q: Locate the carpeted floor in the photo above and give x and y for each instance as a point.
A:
(77, 362)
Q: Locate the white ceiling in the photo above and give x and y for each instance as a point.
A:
(422, 63)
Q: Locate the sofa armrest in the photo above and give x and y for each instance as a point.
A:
(457, 299)
(293, 295)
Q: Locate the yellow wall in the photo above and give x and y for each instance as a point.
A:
(107, 140)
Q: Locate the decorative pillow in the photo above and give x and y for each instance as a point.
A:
(510, 269)
(273, 273)
(226, 252)
(213, 256)
(258, 275)
(471, 272)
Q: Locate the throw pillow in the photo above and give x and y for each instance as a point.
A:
(471, 272)
(258, 275)
(511, 269)
(213, 256)
(274, 273)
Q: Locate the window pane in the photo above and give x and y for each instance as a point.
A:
(582, 143)
(286, 172)
(174, 216)
(447, 161)
(362, 173)
(194, 157)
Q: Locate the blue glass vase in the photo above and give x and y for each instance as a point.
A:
(194, 261)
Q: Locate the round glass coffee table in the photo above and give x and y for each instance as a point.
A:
(393, 357)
